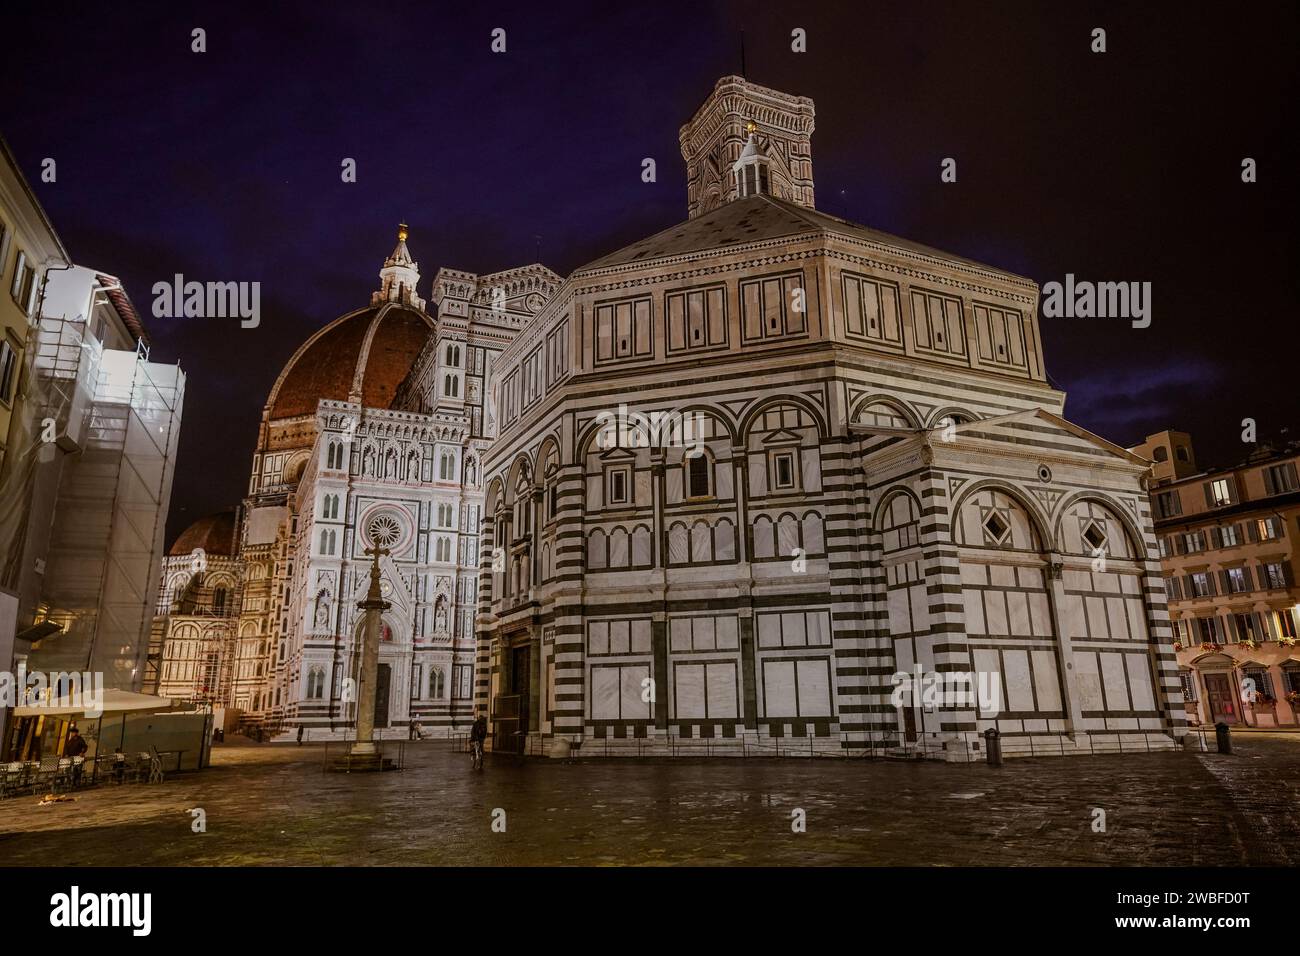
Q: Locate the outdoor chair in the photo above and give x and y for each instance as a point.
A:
(139, 771)
(13, 778)
(45, 773)
(62, 775)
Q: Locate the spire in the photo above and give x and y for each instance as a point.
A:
(399, 277)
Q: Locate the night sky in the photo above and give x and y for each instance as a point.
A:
(225, 166)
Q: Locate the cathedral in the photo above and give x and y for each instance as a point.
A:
(746, 484)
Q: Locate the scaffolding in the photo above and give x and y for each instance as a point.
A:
(118, 423)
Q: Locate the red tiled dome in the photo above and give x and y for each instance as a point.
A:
(215, 534)
(326, 366)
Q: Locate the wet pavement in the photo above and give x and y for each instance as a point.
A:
(272, 804)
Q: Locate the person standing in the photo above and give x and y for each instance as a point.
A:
(75, 747)
(300, 729)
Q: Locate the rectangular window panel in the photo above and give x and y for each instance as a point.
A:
(814, 687)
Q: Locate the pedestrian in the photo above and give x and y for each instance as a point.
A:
(75, 747)
(300, 729)
(477, 735)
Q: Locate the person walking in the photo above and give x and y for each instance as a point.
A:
(477, 735)
(300, 729)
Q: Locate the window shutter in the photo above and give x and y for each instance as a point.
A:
(1252, 530)
(1225, 582)
(1190, 585)
(1175, 589)
(1291, 479)
(1288, 575)
(1270, 488)
(1216, 538)
(1209, 494)
(1209, 583)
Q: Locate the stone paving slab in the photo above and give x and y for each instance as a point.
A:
(272, 804)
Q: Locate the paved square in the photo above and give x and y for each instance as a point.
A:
(272, 804)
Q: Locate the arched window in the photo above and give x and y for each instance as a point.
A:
(315, 684)
(436, 685)
(324, 541)
(219, 601)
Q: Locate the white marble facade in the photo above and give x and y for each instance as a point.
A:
(876, 477)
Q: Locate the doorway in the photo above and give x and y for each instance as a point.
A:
(1220, 699)
(383, 681)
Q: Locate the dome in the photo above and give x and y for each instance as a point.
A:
(215, 534)
(363, 356)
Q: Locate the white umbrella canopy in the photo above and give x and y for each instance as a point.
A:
(113, 701)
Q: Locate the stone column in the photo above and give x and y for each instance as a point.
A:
(374, 605)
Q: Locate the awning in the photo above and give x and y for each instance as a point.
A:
(113, 702)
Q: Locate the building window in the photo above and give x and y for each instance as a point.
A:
(1237, 582)
(1181, 452)
(1261, 684)
(618, 481)
(435, 683)
(1270, 528)
(783, 471)
(1246, 629)
(1189, 685)
(1168, 504)
(1280, 478)
(1210, 630)
(8, 371)
(697, 476)
(1274, 577)
(1201, 584)
(1218, 493)
(1162, 454)
(1230, 535)
(24, 284)
(1194, 541)
(1292, 675)
(1286, 623)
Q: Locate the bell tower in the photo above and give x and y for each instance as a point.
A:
(748, 139)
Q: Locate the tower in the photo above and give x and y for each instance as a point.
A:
(746, 130)
(399, 276)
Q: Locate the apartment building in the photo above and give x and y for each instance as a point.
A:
(1227, 539)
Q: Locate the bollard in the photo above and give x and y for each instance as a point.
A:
(993, 747)
(1223, 735)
